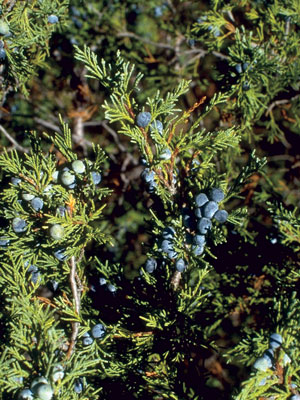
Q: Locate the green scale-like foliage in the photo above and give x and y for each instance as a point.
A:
(168, 332)
(27, 42)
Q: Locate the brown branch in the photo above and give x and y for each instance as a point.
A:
(76, 297)
(176, 279)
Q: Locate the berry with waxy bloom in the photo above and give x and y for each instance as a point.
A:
(199, 240)
(221, 216)
(2, 54)
(78, 386)
(204, 225)
(67, 178)
(180, 265)
(263, 363)
(111, 288)
(96, 177)
(57, 232)
(143, 119)
(209, 209)
(148, 175)
(87, 341)
(58, 373)
(44, 391)
(216, 195)
(275, 340)
(151, 265)
(25, 394)
(19, 225)
(201, 199)
(60, 254)
(98, 331)
(168, 232)
(198, 250)
(157, 125)
(37, 203)
(78, 166)
(15, 181)
(36, 382)
(165, 154)
(4, 28)
(27, 196)
(53, 19)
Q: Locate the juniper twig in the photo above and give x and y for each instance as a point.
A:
(76, 297)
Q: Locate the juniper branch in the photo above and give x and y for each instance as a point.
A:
(76, 296)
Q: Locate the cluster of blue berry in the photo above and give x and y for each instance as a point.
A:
(241, 67)
(67, 178)
(216, 32)
(143, 119)
(40, 387)
(34, 276)
(97, 332)
(33, 271)
(111, 288)
(267, 360)
(199, 220)
(148, 176)
(166, 245)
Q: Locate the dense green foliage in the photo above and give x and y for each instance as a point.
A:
(124, 127)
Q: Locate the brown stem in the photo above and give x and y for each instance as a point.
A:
(176, 279)
(76, 297)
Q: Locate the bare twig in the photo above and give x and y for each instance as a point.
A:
(109, 130)
(279, 102)
(176, 279)
(172, 47)
(78, 134)
(47, 124)
(116, 140)
(76, 297)
(79, 283)
(13, 141)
